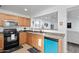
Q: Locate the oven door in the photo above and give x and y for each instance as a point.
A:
(11, 40)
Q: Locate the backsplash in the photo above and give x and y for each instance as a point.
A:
(44, 24)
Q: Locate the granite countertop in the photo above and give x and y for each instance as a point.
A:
(51, 35)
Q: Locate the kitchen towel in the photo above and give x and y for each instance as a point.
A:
(13, 37)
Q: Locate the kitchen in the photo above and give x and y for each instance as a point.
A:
(32, 29)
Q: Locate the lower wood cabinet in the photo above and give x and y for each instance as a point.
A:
(36, 41)
(44, 44)
(22, 37)
(1, 41)
(29, 38)
(60, 46)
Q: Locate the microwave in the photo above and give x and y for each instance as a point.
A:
(10, 23)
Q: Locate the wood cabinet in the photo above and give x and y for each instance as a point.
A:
(1, 41)
(10, 17)
(1, 19)
(36, 41)
(29, 38)
(28, 22)
(22, 21)
(60, 45)
(25, 22)
(1, 22)
(22, 37)
(4, 17)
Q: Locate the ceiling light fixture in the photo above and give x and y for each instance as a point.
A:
(25, 9)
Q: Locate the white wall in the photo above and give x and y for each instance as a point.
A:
(49, 21)
(75, 23)
(73, 36)
(73, 33)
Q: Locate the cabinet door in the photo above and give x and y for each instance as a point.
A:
(37, 42)
(1, 19)
(29, 38)
(34, 40)
(1, 22)
(10, 17)
(28, 22)
(7, 17)
(23, 37)
(40, 42)
(1, 41)
(25, 22)
(20, 21)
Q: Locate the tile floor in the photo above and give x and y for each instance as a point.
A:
(73, 48)
(24, 49)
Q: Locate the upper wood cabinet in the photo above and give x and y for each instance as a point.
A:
(7, 17)
(22, 21)
(1, 19)
(28, 22)
(10, 17)
(23, 37)
(25, 22)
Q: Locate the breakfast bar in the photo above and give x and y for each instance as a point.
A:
(41, 41)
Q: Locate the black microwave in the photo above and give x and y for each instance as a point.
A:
(10, 23)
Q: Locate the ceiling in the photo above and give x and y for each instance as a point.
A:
(31, 9)
(73, 12)
(49, 16)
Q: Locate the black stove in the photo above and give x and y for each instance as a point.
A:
(11, 38)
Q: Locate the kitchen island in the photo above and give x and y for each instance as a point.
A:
(38, 40)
